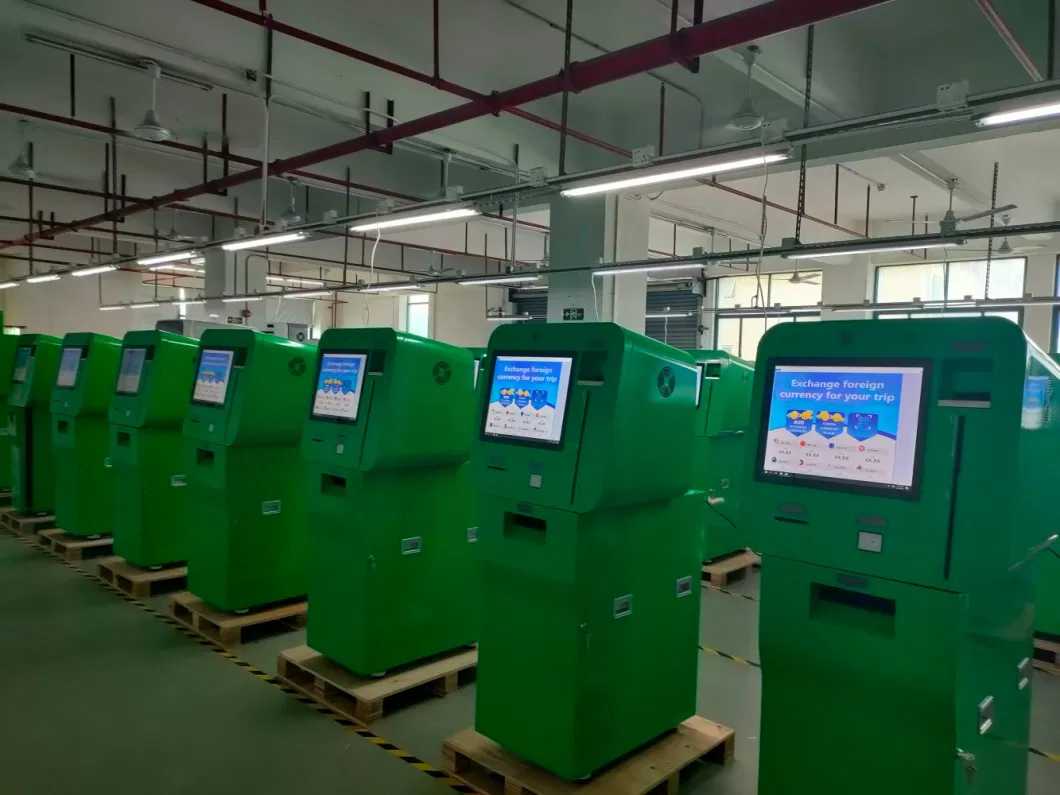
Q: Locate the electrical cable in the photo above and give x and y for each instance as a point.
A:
(763, 226)
(371, 276)
(596, 301)
(732, 524)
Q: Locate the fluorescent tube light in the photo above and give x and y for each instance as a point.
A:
(177, 269)
(172, 256)
(1020, 114)
(512, 279)
(295, 280)
(144, 305)
(191, 302)
(317, 294)
(867, 249)
(263, 241)
(412, 220)
(50, 277)
(498, 318)
(662, 315)
(674, 176)
(680, 266)
(235, 300)
(94, 270)
(111, 307)
(5, 285)
(390, 288)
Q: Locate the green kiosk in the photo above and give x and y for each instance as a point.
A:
(147, 448)
(1047, 575)
(590, 543)
(88, 367)
(479, 355)
(8, 346)
(902, 483)
(722, 402)
(392, 576)
(246, 479)
(32, 462)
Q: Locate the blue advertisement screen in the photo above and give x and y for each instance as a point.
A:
(857, 424)
(69, 364)
(215, 371)
(528, 398)
(130, 370)
(21, 365)
(338, 393)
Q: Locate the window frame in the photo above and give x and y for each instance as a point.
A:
(945, 279)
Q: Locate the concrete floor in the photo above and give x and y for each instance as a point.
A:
(98, 696)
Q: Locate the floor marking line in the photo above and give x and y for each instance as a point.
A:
(415, 762)
(396, 751)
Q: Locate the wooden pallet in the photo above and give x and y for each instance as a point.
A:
(722, 571)
(26, 524)
(227, 628)
(70, 547)
(137, 582)
(656, 769)
(1047, 655)
(363, 698)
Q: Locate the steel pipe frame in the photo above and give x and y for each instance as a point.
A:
(760, 21)
(1002, 30)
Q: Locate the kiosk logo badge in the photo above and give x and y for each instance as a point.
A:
(666, 382)
(296, 366)
(441, 373)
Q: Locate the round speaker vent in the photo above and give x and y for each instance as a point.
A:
(441, 373)
(666, 382)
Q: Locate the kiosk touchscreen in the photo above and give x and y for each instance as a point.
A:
(899, 490)
(246, 481)
(8, 350)
(723, 400)
(84, 386)
(30, 429)
(388, 435)
(588, 539)
(149, 486)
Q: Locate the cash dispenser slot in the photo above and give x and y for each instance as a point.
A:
(966, 382)
(124, 437)
(63, 426)
(525, 528)
(204, 457)
(332, 485)
(853, 609)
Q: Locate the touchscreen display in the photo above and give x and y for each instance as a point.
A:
(338, 393)
(528, 398)
(69, 364)
(215, 372)
(130, 370)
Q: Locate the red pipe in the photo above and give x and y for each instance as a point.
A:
(757, 22)
(1010, 40)
(396, 68)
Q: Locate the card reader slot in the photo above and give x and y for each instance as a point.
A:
(857, 610)
(204, 457)
(124, 438)
(525, 528)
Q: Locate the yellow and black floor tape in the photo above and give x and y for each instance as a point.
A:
(436, 773)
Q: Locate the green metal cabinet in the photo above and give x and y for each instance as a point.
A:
(30, 429)
(84, 385)
(393, 570)
(722, 403)
(901, 484)
(149, 483)
(246, 479)
(590, 543)
(8, 346)
(1047, 580)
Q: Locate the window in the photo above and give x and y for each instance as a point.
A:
(950, 281)
(418, 315)
(740, 335)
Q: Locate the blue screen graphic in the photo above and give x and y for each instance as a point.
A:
(845, 423)
(215, 370)
(528, 397)
(338, 393)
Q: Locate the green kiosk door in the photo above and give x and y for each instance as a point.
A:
(590, 543)
(32, 463)
(722, 403)
(1047, 576)
(246, 479)
(88, 367)
(147, 447)
(901, 482)
(393, 570)
(8, 346)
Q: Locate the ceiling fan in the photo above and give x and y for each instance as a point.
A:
(1006, 249)
(949, 220)
(747, 118)
(804, 278)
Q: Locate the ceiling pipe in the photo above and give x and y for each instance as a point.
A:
(457, 90)
(759, 21)
(198, 152)
(1002, 30)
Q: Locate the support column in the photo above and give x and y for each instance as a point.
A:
(228, 273)
(847, 283)
(590, 231)
(1040, 280)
